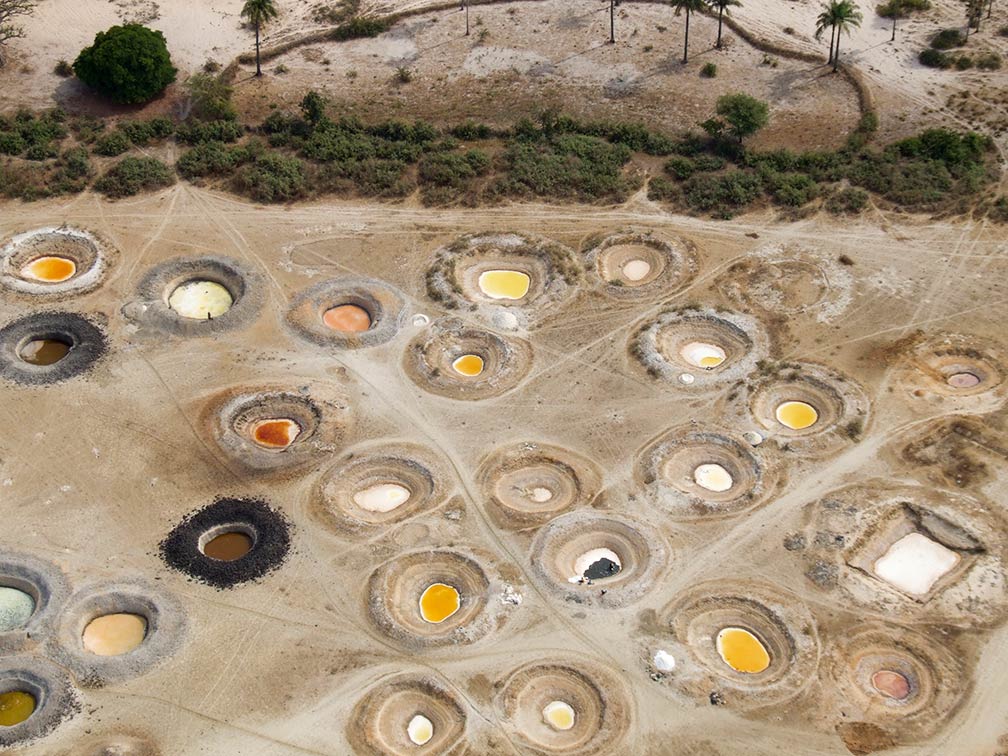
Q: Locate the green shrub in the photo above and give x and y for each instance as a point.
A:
(709, 70)
(946, 39)
(662, 189)
(63, 68)
(722, 194)
(127, 64)
(142, 133)
(197, 132)
(357, 28)
(471, 131)
(988, 61)
(935, 58)
(849, 201)
(112, 143)
(680, 167)
(12, 143)
(900, 8)
(452, 169)
(211, 159)
(210, 98)
(41, 151)
(792, 189)
(87, 128)
(72, 172)
(272, 177)
(132, 175)
(963, 62)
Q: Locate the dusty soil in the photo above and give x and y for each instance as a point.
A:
(98, 469)
(324, 650)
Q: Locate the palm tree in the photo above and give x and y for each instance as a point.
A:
(974, 12)
(722, 10)
(848, 18)
(259, 12)
(689, 6)
(896, 9)
(827, 19)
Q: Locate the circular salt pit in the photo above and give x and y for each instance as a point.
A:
(816, 409)
(113, 631)
(565, 707)
(704, 473)
(491, 273)
(796, 415)
(527, 484)
(710, 347)
(114, 634)
(32, 593)
(452, 360)
(706, 356)
(347, 318)
(963, 380)
(888, 674)
(45, 351)
(15, 707)
(49, 347)
(347, 313)
(35, 697)
(504, 284)
(226, 545)
(584, 557)
(375, 487)
(420, 729)
(754, 644)
(398, 715)
(430, 598)
(741, 650)
(639, 265)
(789, 282)
(713, 477)
(228, 542)
(200, 300)
(383, 497)
(266, 429)
(54, 262)
(275, 432)
(469, 365)
(49, 269)
(438, 602)
(16, 608)
(195, 297)
(559, 715)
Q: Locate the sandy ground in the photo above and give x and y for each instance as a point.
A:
(275, 667)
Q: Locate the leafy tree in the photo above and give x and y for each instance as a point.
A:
(722, 7)
(259, 13)
(744, 115)
(210, 98)
(689, 6)
(10, 10)
(127, 64)
(313, 107)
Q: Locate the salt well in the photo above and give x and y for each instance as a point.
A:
(713, 477)
(383, 497)
(469, 365)
(15, 707)
(347, 318)
(891, 684)
(49, 269)
(114, 634)
(16, 608)
(742, 651)
(275, 433)
(200, 300)
(699, 354)
(438, 602)
(796, 415)
(420, 729)
(636, 270)
(504, 284)
(963, 380)
(596, 564)
(915, 563)
(45, 351)
(229, 546)
(559, 715)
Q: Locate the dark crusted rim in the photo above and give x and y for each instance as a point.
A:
(269, 528)
(88, 344)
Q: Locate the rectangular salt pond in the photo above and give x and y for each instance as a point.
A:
(914, 563)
